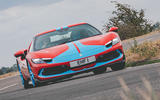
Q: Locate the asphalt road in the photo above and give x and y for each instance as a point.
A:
(150, 37)
(86, 86)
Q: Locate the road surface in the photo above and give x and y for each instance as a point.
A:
(148, 37)
(85, 86)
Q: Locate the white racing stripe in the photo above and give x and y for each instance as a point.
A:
(7, 87)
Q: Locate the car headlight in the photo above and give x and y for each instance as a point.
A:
(112, 42)
(115, 41)
(41, 60)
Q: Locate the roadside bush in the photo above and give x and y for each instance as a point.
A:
(147, 50)
(5, 70)
(143, 52)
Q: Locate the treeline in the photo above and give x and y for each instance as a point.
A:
(4, 70)
(130, 21)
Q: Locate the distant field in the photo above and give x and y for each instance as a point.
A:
(9, 74)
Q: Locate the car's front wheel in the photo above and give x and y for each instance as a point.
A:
(32, 78)
(99, 70)
(118, 66)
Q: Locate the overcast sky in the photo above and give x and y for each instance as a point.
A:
(20, 20)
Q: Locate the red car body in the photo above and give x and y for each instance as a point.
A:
(99, 49)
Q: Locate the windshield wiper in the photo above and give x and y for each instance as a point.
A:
(66, 41)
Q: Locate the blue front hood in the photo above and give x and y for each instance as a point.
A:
(73, 54)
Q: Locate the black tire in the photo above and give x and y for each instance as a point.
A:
(26, 84)
(118, 66)
(99, 70)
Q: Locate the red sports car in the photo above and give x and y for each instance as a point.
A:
(70, 50)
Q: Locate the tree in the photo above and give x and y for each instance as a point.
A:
(130, 22)
(4, 70)
(1, 73)
(14, 68)
(156, 26)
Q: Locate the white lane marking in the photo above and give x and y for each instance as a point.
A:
(7, 87)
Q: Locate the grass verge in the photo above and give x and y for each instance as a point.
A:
(8, 74)
(138, 63)
(145, 53)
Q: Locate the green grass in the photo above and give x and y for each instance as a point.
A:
(138, 63)
(142, 54)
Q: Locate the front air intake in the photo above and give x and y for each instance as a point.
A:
(108, 56)
(55, 70)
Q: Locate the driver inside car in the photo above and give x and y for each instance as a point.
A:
(45, 43)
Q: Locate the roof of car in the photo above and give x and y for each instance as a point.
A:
(59, 29)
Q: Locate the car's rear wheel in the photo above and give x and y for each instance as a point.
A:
(99, 70)
(118, 66)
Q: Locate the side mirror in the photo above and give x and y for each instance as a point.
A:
(20, 53)
(113, 29)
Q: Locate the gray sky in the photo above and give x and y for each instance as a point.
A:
(20, 20)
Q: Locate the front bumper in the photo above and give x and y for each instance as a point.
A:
(93, 66)
(40, 75)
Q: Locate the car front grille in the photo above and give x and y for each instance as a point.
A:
(55, 70)
(108, 56)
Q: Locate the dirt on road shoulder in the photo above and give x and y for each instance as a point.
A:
(8, 74)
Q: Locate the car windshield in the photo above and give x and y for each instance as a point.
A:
(64, 36)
